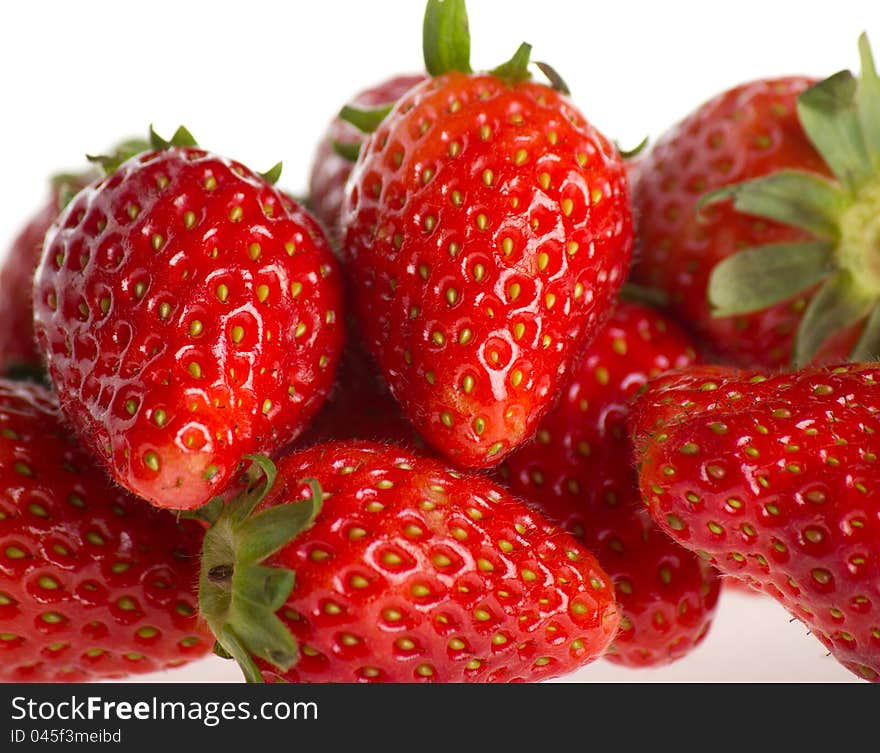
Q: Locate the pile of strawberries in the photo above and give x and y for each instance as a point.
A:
(495, 401)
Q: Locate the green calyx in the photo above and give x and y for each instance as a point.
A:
(349, 152)
(123, 151)
(516, 69)
(272, 175)
(552, 75)
(181, 137)
(238, 594)
(109, 163)
(366, 120)
(446, 47)
(628, 154)
(67, 185)
(841, 117)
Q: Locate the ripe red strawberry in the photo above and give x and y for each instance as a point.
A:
(94, 583)
(787, 270)
(190, 314)
(578, 471)
(410, 572)
(487, 231)
(773, 480)
(335, 155)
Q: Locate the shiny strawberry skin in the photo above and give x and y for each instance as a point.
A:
(94, 583)
(415, 573)
(578, 471)
(17, 345)
(330, 170)
(749, 131)
(773, 480)
(487, 231)
(190, 314)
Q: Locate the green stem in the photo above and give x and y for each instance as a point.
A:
(446, 38)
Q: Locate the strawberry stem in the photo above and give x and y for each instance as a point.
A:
(446, 37)
(446, 46)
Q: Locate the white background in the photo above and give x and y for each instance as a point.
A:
(258, 80)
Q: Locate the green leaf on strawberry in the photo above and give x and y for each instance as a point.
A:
(123, 151)
(365, 120)
(841, 117)
(238, 593)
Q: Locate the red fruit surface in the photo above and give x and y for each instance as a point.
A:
(578, 470)
(330, 170)
(487, 229)
(19, 354)
(749, 131)
(18, 349)
(773, 479)
(190, 314)
(94, 583)
(360, 406)
(413, 572)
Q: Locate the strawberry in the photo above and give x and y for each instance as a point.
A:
(772, 479)
(758, 213)
(190, 313)
(339, 147)
(578, 471)
(487, 231)
(409, 572)
(93, 582)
